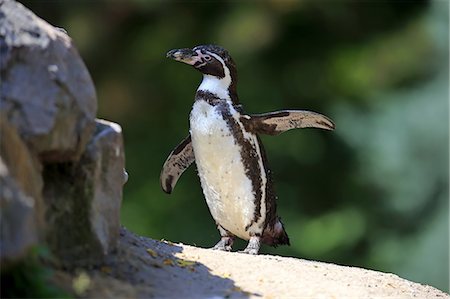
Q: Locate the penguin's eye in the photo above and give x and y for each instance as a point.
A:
(207, 57)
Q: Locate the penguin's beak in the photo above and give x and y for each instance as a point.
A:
(185, 55)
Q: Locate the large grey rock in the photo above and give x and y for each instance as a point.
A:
(61, 171)
(21, 206)
(46, 91)
(84, 199)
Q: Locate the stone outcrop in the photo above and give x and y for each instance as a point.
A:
(61, 170)
(84, 199)
(21, 214)
(47, 92)
(146, 268)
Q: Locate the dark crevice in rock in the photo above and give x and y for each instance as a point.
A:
(68, 201)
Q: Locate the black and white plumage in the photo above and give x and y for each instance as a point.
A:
(230, 158)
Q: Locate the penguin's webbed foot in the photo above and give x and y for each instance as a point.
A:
(253, 245)
(225, 244)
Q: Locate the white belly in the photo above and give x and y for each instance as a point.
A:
(228, 191)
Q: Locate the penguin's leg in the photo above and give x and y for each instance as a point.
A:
(226, 240)
(253, 245)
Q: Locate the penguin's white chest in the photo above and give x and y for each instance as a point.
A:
(228, 191)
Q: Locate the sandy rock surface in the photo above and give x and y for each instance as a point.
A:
(146, 268)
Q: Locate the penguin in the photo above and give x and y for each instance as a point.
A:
(224, 143)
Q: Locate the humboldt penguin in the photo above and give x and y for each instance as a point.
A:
(229, 155)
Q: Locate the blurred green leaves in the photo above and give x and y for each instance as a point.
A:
(342, 228)
(247, 23)
(385, 62)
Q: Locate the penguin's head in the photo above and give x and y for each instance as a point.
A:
(208, 59)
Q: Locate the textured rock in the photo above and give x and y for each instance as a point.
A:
(62, 172)
(21, 208)
(17, 219)
(105, 153)
(46, 91)
(84, 199)
(146, 268)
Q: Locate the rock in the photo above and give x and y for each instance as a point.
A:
(46, 91)
(84, 199)
(146, 268)
(17, 219)
(21, 206)
(53, 162)
(105, 153)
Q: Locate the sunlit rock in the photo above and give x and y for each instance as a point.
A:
(46, 91)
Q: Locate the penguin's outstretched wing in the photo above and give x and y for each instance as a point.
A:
(178, 161)
(274, 123)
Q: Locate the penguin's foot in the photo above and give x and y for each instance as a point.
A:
(224, 244)
(253, 245)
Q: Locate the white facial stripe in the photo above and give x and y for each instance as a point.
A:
(198, 58)
(218, 86)
(225, 68)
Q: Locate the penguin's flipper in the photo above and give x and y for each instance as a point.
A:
(178, 161)
(274, 123)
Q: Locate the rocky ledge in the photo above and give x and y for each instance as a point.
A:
(146, 268)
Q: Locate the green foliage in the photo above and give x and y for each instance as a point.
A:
(30, 278)
(374, 193)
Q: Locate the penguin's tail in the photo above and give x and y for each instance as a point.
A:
(275, 235)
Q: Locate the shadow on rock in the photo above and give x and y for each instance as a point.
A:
(143, 268)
